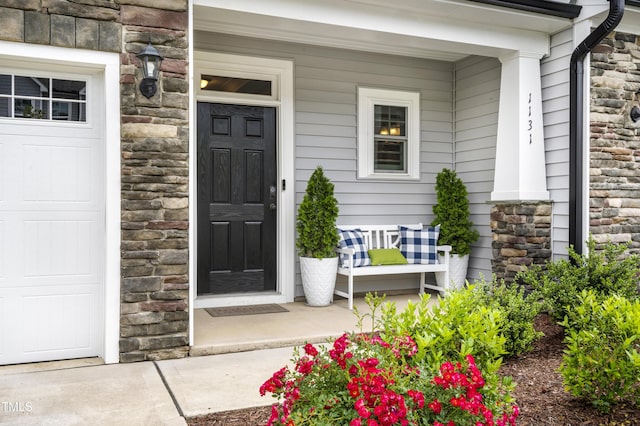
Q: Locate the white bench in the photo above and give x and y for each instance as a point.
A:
(386, 236)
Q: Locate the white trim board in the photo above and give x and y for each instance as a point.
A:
(192, 176)
(421, 28)
(282, 100)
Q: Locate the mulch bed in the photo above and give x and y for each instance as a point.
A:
(539, 392)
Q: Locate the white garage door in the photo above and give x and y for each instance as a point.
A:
(51, 217)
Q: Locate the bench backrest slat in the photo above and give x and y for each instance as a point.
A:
(380, 236)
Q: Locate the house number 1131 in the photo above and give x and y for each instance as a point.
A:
(530, 121)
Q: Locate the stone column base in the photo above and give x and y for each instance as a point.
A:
(521, 236)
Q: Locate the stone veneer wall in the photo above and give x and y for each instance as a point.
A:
(154, 264)
(521, 237)
(84, 24)
(614, 188)
(155, 185)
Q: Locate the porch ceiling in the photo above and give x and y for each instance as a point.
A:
(447, 30)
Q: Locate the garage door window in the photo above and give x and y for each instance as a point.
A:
(41, 98)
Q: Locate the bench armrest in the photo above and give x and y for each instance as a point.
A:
(349, 252)
(446, 254)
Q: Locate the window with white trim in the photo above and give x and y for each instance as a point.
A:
(388, 134)
(25, 96)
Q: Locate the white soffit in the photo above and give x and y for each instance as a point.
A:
(630, 20)
(434, 29)
(595, 14)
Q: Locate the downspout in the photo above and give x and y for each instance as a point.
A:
(576, 120)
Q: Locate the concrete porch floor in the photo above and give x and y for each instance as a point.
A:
(299, 325)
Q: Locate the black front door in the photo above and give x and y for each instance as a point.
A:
(237, 200)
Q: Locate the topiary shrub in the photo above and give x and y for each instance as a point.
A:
(605, 272)
(317, 214)
(452, 213)
(602, 360)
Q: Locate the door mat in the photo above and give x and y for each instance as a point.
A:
(230, 311)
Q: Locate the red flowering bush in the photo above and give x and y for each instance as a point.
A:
(461, 390)
(364, 380)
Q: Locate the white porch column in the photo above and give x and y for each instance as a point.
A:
(520, 163)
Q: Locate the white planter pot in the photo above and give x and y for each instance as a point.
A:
(318, 279)
(457, 271)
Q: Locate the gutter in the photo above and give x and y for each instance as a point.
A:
(576, 121)
(545, 7)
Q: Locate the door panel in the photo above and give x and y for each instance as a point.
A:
(51, 243)
(237, 208)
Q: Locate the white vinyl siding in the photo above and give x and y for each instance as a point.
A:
(555, 107)
(326, 82)
(477, 95)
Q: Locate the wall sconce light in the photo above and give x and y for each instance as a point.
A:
(151, 61)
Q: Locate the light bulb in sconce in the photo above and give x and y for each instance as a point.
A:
(204, 83)
(384, 131)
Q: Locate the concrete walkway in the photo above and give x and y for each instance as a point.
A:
(125, 394)
(144, 393)
(83, 392)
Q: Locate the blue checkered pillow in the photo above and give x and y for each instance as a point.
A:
(419, 245)
(352, 238)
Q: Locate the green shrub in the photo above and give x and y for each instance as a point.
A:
(519, 311)
(317, 214)
(605, 272)
(452, 213)
(459, 325)
(602, 360)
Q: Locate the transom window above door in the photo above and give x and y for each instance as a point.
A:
(42, 98)
(388, 134)
(218, 83)
(237, 85)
